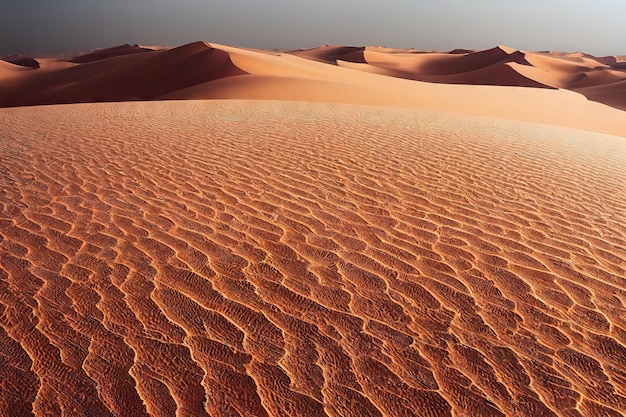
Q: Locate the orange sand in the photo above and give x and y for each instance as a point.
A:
(237, 258)
(557, 87)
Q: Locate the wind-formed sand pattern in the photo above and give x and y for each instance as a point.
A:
(251, 258)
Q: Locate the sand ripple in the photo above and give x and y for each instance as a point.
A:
(266, 258)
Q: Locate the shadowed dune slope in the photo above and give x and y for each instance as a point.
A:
(438, 64)
(612, 94)
(331, 53)
(500, 74)
(22, 61)
(237, 258)
(138, 76)
(105, 53)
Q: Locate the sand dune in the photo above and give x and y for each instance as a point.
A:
(109, 53)
(353, 75)
(497, 66)
(281, 76)
(238, 258)
(331, 53)
(8, 69)
(598, 78)
(446, 64)
(503, 74)
(139, 76)
(22, 61)
(612, 94)
(480, 69)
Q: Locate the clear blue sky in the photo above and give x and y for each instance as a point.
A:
(52, 26)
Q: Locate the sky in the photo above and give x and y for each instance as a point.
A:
(64, 26)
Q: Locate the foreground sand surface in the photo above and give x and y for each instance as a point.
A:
(246, 258)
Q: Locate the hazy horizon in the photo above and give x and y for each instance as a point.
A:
(66, 26)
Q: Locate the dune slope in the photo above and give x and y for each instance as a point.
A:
(500, 66)
(22, 61)
(134, 76)
(612, 94)
(105, 53)
(236, 258)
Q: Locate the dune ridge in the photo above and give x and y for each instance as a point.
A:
(22, 61)
(498, 82)
(235, 258)
(105, 53)
(135, 76)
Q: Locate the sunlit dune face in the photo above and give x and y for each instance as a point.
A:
(244, 258)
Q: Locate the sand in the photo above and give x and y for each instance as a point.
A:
(500, 65)
(568, 90)
(239, 257)
(209, 230)
(106, 53)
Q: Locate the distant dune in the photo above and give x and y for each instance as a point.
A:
(253, 258)
(338, 231)
(22, 61)
(355, 75)
(105, 53)
(498, 66)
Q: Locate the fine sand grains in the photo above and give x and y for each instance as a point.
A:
(259, 258)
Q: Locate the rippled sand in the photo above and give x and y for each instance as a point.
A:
(246, 258)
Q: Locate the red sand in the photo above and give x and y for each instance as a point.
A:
(274, 258)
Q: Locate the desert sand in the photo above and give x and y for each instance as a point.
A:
(569, 90)
(360, 245)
